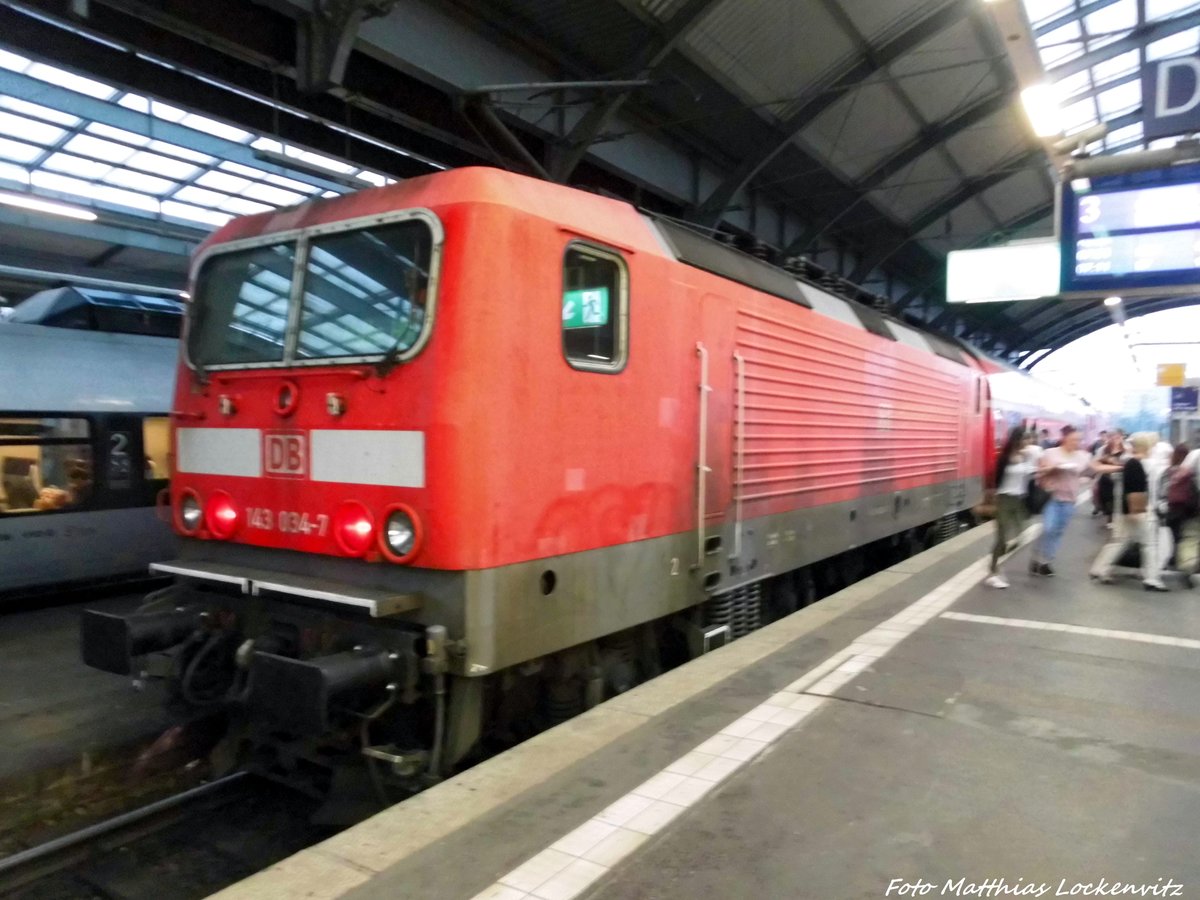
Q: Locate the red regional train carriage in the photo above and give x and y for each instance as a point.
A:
(474, 450)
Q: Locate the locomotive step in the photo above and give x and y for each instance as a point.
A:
(257, 582)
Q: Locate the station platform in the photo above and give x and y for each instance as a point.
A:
(918, 734)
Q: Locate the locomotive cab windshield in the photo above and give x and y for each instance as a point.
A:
(339, 294)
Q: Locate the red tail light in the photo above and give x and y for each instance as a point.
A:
(354, 528)
(222, 515)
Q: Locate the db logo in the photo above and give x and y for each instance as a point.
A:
(285, 454)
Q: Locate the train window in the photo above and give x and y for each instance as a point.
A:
(241, 311)
(45, 464)
(594, 308)
(156, 445)
(366, 291)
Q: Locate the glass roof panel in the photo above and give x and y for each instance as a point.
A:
(117, 134)
(273, 195)
(194, 213)
(200, 196)
(243, 207)
(1061, 44)
(136, 102)
(1079, 115)
(77, 166)
(71, 81)
(1181, 43)
(1068, 87)
(165, 111)
(290, 183)
(20, 152)
(120, 197)
(1121, 99)
(1116, 67)
(1111, 23)
(1041, 11)
(98, 148)
(182, 152)
(14, 126)
(317, 159)
(37, 111)
(1162, 9)
(1125, 135)
(12, 172)
(222, 181)
(161, 165)
(78, 186)
(140, 172)
(13, 62)
(140, 181)
(215, 128)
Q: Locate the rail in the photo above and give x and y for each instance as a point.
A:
(19, 869)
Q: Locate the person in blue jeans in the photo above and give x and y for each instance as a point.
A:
(1059, 472)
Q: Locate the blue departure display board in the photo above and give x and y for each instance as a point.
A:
(1136, 234)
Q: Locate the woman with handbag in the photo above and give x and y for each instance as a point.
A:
(1013, 470)
(1139, 524)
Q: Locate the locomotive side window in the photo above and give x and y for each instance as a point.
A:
(594, 308)
(366, 291)
(241, 311)
(45, 464)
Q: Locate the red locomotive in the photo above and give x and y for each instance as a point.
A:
(474, 450)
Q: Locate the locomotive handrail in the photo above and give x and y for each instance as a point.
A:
(702, 467)
(739, 362)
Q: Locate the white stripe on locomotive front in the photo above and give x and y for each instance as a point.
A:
(219, 451)
(387, 458)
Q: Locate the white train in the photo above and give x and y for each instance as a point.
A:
(84, 454)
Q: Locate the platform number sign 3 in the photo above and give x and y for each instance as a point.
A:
(585, 308)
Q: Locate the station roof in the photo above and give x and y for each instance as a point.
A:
(871, 137)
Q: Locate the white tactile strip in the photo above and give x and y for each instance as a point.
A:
(1142, 636)
(580, 858)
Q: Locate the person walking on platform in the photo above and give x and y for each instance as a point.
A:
(1013, 471)
(1112, 453)
(1173, 515)
(1059, 471)
(1138, 526)
(1187, 553)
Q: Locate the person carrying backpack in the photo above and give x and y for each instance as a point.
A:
(1171, 518)
(1183, 504)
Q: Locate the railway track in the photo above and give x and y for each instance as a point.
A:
(184, 847)
(27, 866)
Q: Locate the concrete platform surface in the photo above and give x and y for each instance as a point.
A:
(916, 735)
